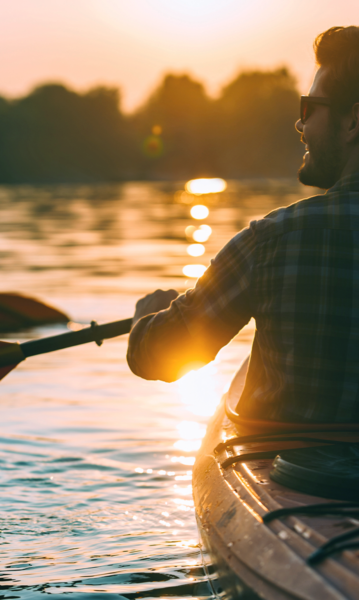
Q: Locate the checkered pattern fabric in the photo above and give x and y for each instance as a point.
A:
(296, 271)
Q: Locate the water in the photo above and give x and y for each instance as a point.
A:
(96, 463)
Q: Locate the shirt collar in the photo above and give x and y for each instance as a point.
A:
(349, 183)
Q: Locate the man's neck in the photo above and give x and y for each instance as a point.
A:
(352, 164)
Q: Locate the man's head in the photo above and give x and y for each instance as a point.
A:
(331, 131)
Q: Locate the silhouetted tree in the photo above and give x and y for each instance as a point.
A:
(57, 135)
(255, 125)
(179, 114)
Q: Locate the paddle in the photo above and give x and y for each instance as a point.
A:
(11, 354)
(19, 312)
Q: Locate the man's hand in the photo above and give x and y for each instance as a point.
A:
(153, 303)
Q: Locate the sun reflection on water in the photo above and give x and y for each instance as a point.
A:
(187, 461)
(202, 234)
(196, 249)
(198, 234)
(189, 231)
(213, 185)
(193, 271)
(187, 445)
(199, 212)
(190, 430)
(198, 391)
(191, 434)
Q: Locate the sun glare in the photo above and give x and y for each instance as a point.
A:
(196, 249)
(187, 445)
(198, 391)
(191, 430)
(202, 234)
(199, 212)
(214, 185)
(193, 271)
(191, 434)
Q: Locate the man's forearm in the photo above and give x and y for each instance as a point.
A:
(160, 347)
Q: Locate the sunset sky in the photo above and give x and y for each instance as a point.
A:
(132, 43)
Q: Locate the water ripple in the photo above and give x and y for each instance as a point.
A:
(95, 464)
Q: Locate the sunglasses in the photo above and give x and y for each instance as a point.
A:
(307, 104)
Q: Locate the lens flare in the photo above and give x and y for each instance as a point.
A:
(214, 185)
(199, 211)
(193, 271)
(153, 146)
(202, 234)
(196, 249)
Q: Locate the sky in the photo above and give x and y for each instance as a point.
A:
(131, 44)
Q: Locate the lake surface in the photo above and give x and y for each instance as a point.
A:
(96, 463)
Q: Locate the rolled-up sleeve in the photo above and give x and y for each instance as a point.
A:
(200, 322)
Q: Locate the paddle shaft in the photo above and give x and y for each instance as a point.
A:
(95, 333)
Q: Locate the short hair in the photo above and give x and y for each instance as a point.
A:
(338, 49)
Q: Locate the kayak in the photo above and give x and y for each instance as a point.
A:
(278, 510)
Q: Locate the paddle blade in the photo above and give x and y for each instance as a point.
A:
(18, 312)
(5, 370)
(9, 353)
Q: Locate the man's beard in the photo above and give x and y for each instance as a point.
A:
(323, 166)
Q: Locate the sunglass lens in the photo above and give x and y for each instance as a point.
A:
(304, 111)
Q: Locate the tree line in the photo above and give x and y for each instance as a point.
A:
(56, 135)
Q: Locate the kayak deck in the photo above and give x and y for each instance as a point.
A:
(252, 558)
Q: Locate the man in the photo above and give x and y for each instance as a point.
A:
(296, 271)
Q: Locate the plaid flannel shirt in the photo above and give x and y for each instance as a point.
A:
(296, 271)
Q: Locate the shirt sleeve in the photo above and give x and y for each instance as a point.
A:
(200, 322)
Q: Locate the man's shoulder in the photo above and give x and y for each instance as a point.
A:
(331, 210)
(294, 211)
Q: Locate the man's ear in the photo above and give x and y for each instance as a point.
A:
(353, 124)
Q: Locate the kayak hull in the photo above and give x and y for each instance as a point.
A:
(253, 559)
